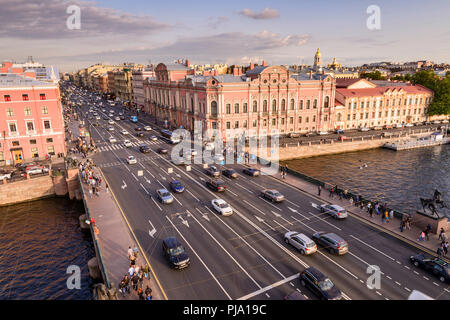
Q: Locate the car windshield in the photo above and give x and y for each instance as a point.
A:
(177, 184)
(165, 194)
(276, 194)
(223, 205)
(326, 284)
(177, 251)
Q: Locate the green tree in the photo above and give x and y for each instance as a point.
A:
(376, 75)
(441, 87)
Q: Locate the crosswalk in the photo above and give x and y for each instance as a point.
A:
(119, 146)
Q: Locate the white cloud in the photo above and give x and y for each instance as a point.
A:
(267, 13)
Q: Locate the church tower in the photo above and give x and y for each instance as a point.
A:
(317, 60)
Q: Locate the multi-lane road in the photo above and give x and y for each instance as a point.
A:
(243, 256)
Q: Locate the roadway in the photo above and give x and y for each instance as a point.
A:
(244, 255)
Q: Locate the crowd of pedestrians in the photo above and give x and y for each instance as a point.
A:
(134, 279)
(88, 176)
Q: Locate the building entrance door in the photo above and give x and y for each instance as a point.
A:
(17, 156)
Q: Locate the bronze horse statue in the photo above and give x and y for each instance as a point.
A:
(432, 203)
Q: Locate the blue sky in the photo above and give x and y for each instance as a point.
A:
(281, 32)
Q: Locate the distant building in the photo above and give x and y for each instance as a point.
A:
(138, 78)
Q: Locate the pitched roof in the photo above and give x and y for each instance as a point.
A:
(344, 83)
(378, 91)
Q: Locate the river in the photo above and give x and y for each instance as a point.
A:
(38, 241)
(396, 177)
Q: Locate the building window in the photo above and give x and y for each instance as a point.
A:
(42, 96)
(25, 97)
(49, 140)
(27, 111)
(325, 118)
(282, 121)
(355, 105)
(214, 108)
(214, 125)
(387, 103)
(15, 143)
(44, 110)
(228, 125)
(236, 108)
(47, 125)
(7, 97)
(244, 108)
(274, 122)
(381, 103)
(274, 106)
(265, 122)
(348, 117)
(292, 106)
(283, 105)
(236, 124)
(315, 104)
(291, 120)
(327, 102)
(265, 106)
(349, 105)
(307, 119)
(254, 123)
(299, 119)
(2, 157)
(361, 116)
(228, 108)
(10, 112)
(301, 104)
(362, 104)
(51, 150)
(33, 141)
(30, 126)
(12, 128)
(245, 124)
(34, 152)
(354, 116)
(255, 106)
(314, 119)
(308, 103)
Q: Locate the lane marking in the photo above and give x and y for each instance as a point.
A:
(266, 201)
(325, 221)
(294, 204)
(372, 247)
(156, 203)
(273, 285)
(254, 207)
(303, 224)
(398, 283)
(281, 225)
(144, 188)
(192, 195)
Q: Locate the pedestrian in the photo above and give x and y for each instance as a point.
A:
(140, 294)
(146, 272)
(439, 251)
(122, 287)
(402, 225)
(346, 194)
(441, 234)
(130, 252)
(131, 271)
(90, 192)
(127, 283)
(148, 291)
(107, 189)
(133, 261)
(445, 247)
(421, 236)
(134, 281)
(408, 222)
(331, 193)
(426, 231)
(319, 189)
(351, 200)
(141, 277)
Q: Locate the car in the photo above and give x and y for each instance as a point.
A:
(364, 129)
(127, 143)
(435, 266)
(343, 138)
(124, 132)
(222, 207)
(212, 171)
(319, 284)
(122, 118)
(111, 122)
(436, 122)
(110, 128)
(310, 134)
(95, 124)
(144, 148)
(295, 295)
(138, 129)
(97, 118)
(323, 133)
(162, 151)
(251, 172)
(35, 169)
(334, 210)
(272, 195)
(331, 241)
(139, 134)
(293, 135)
(5, 175)
(193, 152)
(216, 185)
(301, 242)
(131, 160)
(164, 196)
(378, 128)
(153, 138)
(176, 186)
(339, 131)
(445, 121)
(103, 110)
(147, 128)
(409, 125)
(112, 139)
(388, 126)
(117, 118)
(230, 173)
(399, 125)
(105, 118)
(175, 253)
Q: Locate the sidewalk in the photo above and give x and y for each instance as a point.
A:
(114, 237)
(393, 227)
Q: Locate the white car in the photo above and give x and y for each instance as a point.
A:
(364, 129)
(222, 207)
(409, 125)
(111, 122)
(445, 121)
(112, 139)
(323, 133)
(123, 131)
(5, 175)
(131, 160)
(110, 128)
(147, 128)
(117, 118)
(127, 143)
(334, 210)
(399, 125)
(301, 242)
(193, 152)
(153, 138)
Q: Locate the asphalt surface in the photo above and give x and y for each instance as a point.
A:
(243, 255)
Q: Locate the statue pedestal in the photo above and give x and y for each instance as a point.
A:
(421, 219)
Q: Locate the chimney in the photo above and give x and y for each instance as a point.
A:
(310, 74)
(264, 63)
(252, 66)
(187, 63)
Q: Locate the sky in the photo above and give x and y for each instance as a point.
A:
(232, 31)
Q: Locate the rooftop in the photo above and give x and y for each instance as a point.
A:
(15, 80)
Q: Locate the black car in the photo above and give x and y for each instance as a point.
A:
(144, 148)
(216, 185)
(212, 171)
(139, 134)
(319, 284)
(434, 266)
(251, 172)
(230, 173)
(138, 129)
(175, 253)
(163, 150)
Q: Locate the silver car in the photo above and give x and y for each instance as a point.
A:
(301, 242)
(334, 210)
(164, 196)
(272, 195)
(331, 241)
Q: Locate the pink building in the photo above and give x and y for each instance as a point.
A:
(138, 78)
(31, 120)
(264, 99)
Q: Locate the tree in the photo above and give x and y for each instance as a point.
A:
(441, 87)
(376, 75)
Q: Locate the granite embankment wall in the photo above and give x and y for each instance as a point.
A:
(41, 187)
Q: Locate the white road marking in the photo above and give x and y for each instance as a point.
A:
(267, 295)
(372, 247)
(281, 225)
(291, 284)
(378, 293)
(407, 267)
(266, 201)
(425, 278)
(204, 264)
(262, 220)
(325, 221)
(389, 277)
(144, 188)
(407, 289)
(192, 195)
(294, 204)
(134, 177)
(435, 284)
(303, 223)
(232, 192)
(274, 285)
(254, 207)
(415, 272)
(398, 262)
(246, 189)
(287, 221)
(156, 203)
(398, 283)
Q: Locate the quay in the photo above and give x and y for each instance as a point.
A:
(435, 139)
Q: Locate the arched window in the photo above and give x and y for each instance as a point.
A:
(265, 106)
(228, 108)
(339, 117)
(214, 108)
(292, 104)
(327, 102)
(236, 108)
(315, 104)
(308, 103)
(255, 106)
(283, 105)
(274, 105)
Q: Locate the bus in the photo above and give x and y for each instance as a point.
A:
(134, 119)
(169, 136)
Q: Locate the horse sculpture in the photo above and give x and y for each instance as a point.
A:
(431, 204)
